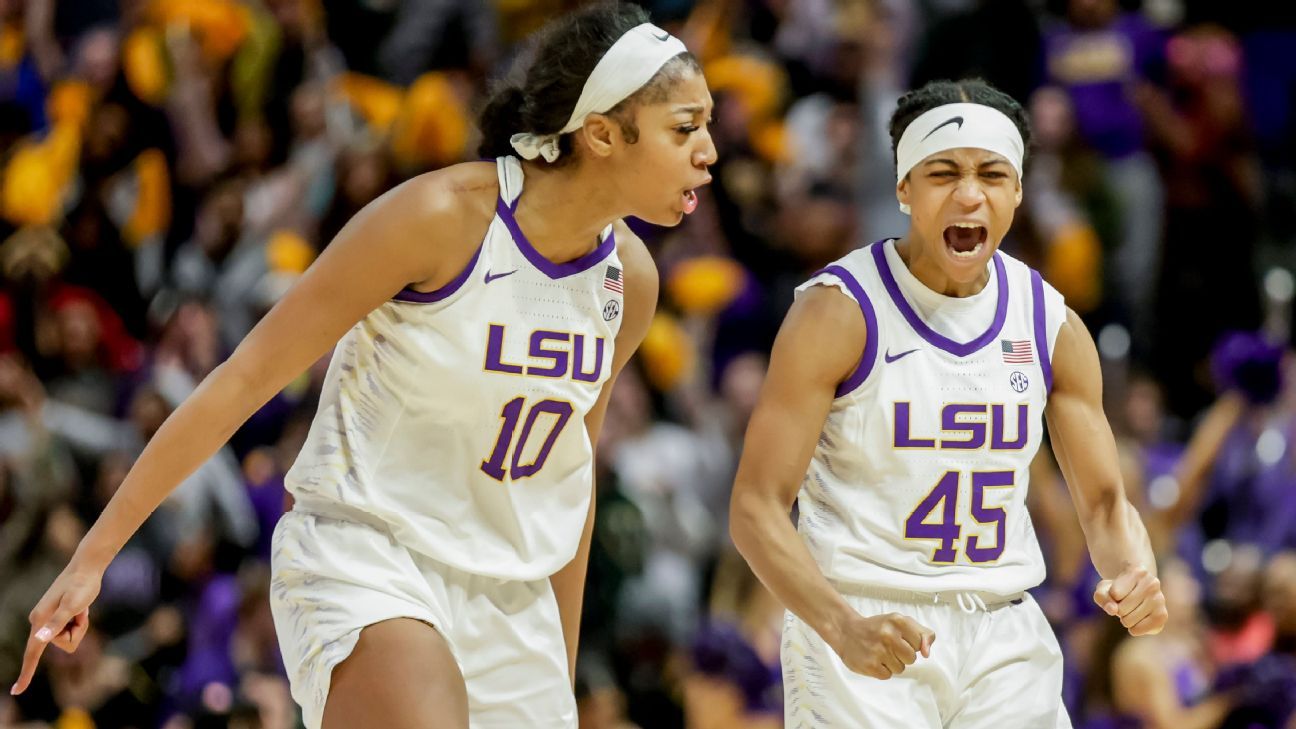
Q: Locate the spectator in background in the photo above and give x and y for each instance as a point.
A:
(1104, 59)
(1213, 192)
(1165, 681)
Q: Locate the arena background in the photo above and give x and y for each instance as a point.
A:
(171, 166)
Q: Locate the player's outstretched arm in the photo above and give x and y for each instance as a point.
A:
(818, 347)
(1086, 451)
(640, 305)
(384, 248)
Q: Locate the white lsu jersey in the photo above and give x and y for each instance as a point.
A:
(457, 417)
(919, 478)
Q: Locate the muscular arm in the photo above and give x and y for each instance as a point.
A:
(818, 347)
(1086, 452)
(640, 305)
(781, 438)
(381, 250)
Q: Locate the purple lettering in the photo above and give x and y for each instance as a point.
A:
(902, 438)
(997, 441)
(557, 356)
(950, 423)
(578, 367)
(563, 411)
(494, 348)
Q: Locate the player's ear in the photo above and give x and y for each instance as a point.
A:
(902, 190)
(599, 134)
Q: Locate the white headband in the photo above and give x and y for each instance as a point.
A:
(958, 125)
(629, 64)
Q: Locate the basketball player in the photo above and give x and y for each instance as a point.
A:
(902, 410)
(430, 573)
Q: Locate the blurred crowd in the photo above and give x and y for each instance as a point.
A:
(169, 167)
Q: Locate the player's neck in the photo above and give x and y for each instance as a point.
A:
(563, 211)
(925, 268)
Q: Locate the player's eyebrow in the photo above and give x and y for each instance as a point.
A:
(689, 109)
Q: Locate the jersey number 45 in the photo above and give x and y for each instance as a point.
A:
(942, 504)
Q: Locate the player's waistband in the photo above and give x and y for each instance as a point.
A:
(967, 600)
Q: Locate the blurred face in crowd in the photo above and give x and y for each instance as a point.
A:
(308, 111)
(1182, 592)
(98, 58)
(962, 201)
(1280, 592)
(148, 411)
(741, 383)
(1052, 118)
(658, 174)
(1092, 13)
(78, 327)
(220, 221)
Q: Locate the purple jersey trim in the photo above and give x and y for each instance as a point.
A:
(861, 373)
(958, 349)
(1041, 330)
(409, 295)
(546, 266)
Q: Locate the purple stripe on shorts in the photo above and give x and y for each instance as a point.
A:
(861, 373)
(933, 337)
(409, 295)
(1041, 330)
(546, 266)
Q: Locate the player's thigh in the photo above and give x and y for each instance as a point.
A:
(820, 691)
(1015, 674)
(400, 675)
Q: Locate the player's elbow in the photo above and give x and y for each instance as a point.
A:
(748, 510)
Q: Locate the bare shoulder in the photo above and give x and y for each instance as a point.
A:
(822, 337)
(640, 268)
(446, 214)
(1075, 358)
(828, 314)
(641, 283)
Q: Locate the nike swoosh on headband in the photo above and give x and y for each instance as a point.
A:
(663, 37)
(955, 120)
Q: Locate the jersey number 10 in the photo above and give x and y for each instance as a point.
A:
(944, 497)
(511, 414)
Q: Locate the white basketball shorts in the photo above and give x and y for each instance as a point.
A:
(332, 577)
(993, 667)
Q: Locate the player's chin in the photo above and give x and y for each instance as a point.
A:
(666, 218)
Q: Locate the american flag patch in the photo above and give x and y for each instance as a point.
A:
(1017, 351)
(612, 280)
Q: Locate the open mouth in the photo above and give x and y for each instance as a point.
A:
(965, 240)
(689, 201)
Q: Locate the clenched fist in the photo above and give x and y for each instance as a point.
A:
(1135, 597)
(881, 646)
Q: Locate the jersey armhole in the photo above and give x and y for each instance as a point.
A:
(869, 355)
(1041, 329)
(411, 296)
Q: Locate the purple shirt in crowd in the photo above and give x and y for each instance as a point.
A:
(1098, 68)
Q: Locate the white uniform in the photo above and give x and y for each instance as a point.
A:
(914, 501)
(448, 473)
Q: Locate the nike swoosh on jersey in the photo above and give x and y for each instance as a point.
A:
(955, 120)
(492, 276)
(891, 359)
